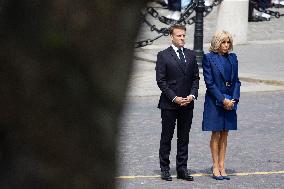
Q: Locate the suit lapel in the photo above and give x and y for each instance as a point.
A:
(177, 60)
(232, 61)
(216, 60)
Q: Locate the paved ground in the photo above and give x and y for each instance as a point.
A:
(256, 148)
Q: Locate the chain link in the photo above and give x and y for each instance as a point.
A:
(184, 19)
(147, 42)
(276, 14)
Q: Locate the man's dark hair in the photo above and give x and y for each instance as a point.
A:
(182, 27)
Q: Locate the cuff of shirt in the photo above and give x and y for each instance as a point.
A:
(193, 97)
(174, 99)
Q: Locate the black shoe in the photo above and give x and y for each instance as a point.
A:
(165, 175)
(254, 19)
(184, 175)
(277, 5)
(258, 19)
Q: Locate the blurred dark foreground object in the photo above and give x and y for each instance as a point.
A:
(64, 68)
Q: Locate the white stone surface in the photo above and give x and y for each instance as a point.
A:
(232, 16)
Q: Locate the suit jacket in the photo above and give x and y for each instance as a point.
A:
(176, 79)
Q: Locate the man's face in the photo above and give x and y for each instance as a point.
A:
(178, 37)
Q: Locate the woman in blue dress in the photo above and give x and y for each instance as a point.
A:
(220, 71)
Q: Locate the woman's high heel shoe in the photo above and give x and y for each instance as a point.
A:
(226, 177)
(216, 177)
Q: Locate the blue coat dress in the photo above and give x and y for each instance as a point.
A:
(218, 83)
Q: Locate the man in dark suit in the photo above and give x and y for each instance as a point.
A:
(177, 76)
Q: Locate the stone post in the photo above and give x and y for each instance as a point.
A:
(232, 16)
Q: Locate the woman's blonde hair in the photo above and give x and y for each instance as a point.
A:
(218, 38)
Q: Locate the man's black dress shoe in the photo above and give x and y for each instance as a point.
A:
(184, 175)
(254, 19)
(165, 175)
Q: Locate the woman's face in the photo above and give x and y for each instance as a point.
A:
(225, 46)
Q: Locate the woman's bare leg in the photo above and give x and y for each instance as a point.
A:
(214, 146)
(222, 152)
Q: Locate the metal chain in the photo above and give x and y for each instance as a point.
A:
(146, 42)
(276, 14)
(154, 28)
(188, 11)
(184, 19)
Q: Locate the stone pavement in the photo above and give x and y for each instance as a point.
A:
(255, 152)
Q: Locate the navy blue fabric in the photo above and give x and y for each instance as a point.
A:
(264, 4)
(176, 79)
(227, 67)
(174, 5)
(216, 118)
(184, 119)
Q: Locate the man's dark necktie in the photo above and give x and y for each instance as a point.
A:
(181, 57)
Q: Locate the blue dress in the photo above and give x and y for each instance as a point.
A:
(227, 67)
(218, 71)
